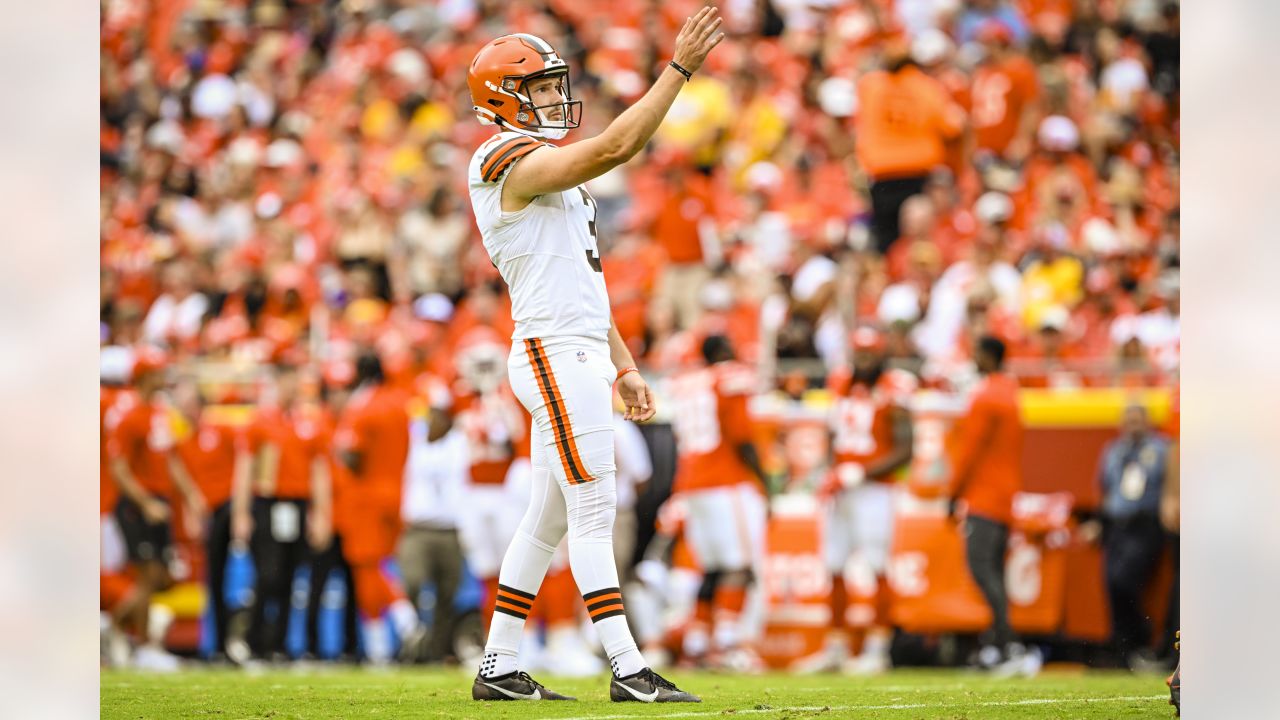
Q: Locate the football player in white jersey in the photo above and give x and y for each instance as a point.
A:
(537, 221)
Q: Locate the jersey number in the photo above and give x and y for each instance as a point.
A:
(854, 421)
(593, 253)
(695, 423)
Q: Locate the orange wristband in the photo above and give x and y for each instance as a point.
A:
(624, 371)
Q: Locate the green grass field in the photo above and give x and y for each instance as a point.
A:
(284, 694)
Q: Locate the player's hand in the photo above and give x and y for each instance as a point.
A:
(319, 531)
(241, 526)
(637, 398)
(154, 510)
(1090, 531)
(696, 38)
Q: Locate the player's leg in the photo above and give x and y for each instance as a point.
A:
(985, 544)
(575, 415)
(524, 566)
(837, 545)
(872, 533)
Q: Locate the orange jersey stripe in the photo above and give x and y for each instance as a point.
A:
(508, 158)
(490, 160)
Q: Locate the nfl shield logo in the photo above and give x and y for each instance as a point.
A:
(582, 356)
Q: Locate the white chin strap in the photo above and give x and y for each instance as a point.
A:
(553, 133)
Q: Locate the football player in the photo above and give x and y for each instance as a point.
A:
(871, 439)
(538, 225)
(723, 484)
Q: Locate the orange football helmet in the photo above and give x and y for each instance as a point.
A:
(499, 77)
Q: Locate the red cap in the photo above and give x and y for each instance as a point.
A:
(148, 359)
(867, 338)
(994, 30)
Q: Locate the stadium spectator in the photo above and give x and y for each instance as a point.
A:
(429, 552)
(1132, 472)
(142, 451)
(289, 512)
(214, 453)
(904, 121)
(986, 459)
(372, 442)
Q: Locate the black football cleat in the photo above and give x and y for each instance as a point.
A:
(647, 686)
(512, 686)
(1174, 681)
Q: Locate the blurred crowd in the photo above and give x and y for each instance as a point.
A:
(281, 185)
(281, 179)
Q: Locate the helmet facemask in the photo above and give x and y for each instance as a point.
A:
(535, 119)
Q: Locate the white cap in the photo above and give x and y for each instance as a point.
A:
(166, 135)
(1054, 317)
(115, 364)
(993, 207)
(244, 151)
(282, 153)
(931, 46)
(1058, 133)
(434, 307)
(1099, 236)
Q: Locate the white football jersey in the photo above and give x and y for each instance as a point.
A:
(546, 252)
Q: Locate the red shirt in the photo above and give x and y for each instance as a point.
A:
(862, 418)
(108, 492)
(299, 436)
(141, 434)
(375, 424)
(676, 227)
(986, 450)
(710, 423)
(999, 94)
(210, 457)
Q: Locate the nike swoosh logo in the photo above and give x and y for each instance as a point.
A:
(642, 697)
(535, 695)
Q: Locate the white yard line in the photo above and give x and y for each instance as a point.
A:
(900, 706)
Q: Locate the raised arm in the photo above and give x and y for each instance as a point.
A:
(549, 169)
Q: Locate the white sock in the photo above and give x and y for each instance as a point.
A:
(497, 664)
(404, 617)
(377, 641)
(628, 662)
(523, 568)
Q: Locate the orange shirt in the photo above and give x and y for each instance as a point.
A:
(710, 422)
(1000, 92)
(142, 435)
(861, 418)
(676, 227)
(210, 456)
(375, 424)
(108, 492)
(494, 425)
(986, 451)
(904, 120)
(299, 435)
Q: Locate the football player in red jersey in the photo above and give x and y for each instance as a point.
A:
(141, 449)
(720, 476)
(871, 439)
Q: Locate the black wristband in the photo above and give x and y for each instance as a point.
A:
(687, 75)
